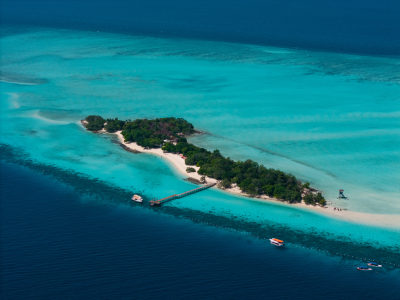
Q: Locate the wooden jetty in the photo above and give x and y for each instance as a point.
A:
(181, 195)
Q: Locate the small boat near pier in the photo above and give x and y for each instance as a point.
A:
(374, 264)
(137, 198)
(276, 242)
(364, 268)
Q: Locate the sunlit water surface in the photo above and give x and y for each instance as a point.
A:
(330, 119)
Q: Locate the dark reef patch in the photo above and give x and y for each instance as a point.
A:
(91, 188)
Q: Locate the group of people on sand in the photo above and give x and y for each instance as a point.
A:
(338, 209)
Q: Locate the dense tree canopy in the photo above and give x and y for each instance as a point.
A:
(146, 133)
(314, 199)
(152, 133)
(113, 125)
(94, 123)
(251, 177)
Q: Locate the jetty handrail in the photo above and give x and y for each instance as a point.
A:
(181, 195)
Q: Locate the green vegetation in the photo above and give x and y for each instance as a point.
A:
(190, 169)
(249, 176)
(113, 125)
(313, 199)
(94, 123)
(225, 184)
(152, 133)
(144, 132)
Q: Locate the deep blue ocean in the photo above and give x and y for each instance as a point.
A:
(57, 244)
(63, 236)
(366, 27)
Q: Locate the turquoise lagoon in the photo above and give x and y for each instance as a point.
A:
(330, 119)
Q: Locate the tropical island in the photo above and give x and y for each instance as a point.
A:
(168, 136)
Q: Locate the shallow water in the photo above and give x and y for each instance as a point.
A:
(67, 245)
(331, 119)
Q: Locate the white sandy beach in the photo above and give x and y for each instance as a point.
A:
(174, 159)
(381, 220)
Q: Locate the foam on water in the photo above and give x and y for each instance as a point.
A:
(331, 119)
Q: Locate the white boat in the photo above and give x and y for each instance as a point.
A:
(137, 198)
(374, 264)
(277, 242)
(363, 268)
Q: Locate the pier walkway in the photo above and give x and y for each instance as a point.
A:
(181, 195)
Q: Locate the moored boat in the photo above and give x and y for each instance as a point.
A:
(137, 198)
(363, 268)
(374, 264)
(277, 242)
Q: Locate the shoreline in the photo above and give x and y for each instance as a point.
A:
(174, 159)
(380, 220)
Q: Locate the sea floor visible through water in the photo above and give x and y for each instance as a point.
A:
(75, 238)
(331, 119)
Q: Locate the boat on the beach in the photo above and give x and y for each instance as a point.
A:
(137, 198)
(277, 242)
(364, 268)
(374, 264)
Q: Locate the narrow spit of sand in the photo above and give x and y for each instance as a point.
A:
(380, 220)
